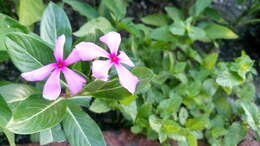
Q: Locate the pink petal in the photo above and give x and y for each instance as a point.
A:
(73, 57)
(125, 59)
(100, 69)
(58, 52)
(112, 40)
(52, 88)
(38, 74)
(89, 51)
(126, 78)
(74, 80)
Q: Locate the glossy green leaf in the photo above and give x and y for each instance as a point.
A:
(117, 7)
(83, 8)
(111, 90)
(215, 31)
(169, 106)
(36, 114)
(93, 25)
(157, 19)
(210, 61)
(178, 28)
(200, 6)
(246, 91)
(51, 135)
(99, 106)
(196, 33)
(145, 76)
(198, 123)
(129, 111)
(210, 87)
(81, 130)
(155, 123)
(80, 100)
(236, 133)
(183, 115)
(30, 11)
(161, 34)
(5, 112)
(7, 25)
(54, 24)
(170, 127)
(15, 92)
(174, 13)
(28, 52)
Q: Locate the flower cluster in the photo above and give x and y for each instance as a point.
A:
(84, 51)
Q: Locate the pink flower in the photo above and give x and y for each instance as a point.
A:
(100, 68)
(52, 87)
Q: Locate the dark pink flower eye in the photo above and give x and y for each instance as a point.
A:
(114, 59)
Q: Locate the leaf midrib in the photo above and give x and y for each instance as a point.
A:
(77, 123)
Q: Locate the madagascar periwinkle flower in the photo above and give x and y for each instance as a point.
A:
(52, 87)
(100, 68)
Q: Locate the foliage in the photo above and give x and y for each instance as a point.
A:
(185, 93)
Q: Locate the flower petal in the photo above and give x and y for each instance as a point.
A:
(126, 78)
(89, 51)
(100, 69)
(38, 74)
(125, 59)
(74, 80)
(73, 57)
(58, 52)
(52, 87)
(112, 40)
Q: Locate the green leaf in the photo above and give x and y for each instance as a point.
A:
(246, 91)
(198, 123)
(51, 135)
(210, 61)
(99, 106)
(117, 7)
(36, 114)
(3, 56)
(5, 112)
(174, 13)
(10, 136)
(169, 106)
(196, 33)
(30, 11)
(100, 23)
(178, 28)
(54, 24)
(129, 111)
(7, 25)
(80, 100)
(28, 52)
(210, 87)
(252, 115)
(161, 34)
(183, 115)
(155, 123)
(215, 31)
(145, 76)
(83, 8)
(157, 19)
(110, 90)
(200, 6)
(235, 134)
(81, 130)
(170, 127)
(15, 92)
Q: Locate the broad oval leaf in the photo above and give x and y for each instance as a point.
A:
(51, 135)
(55, 23)
(215, 31)
(80, 129)
(28, 52)
(30, 11)
(83, 8)
(5, 112)
(157, 19)
(36, 114)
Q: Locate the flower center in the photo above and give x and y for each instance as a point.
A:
(60, 64)
(114, 59)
